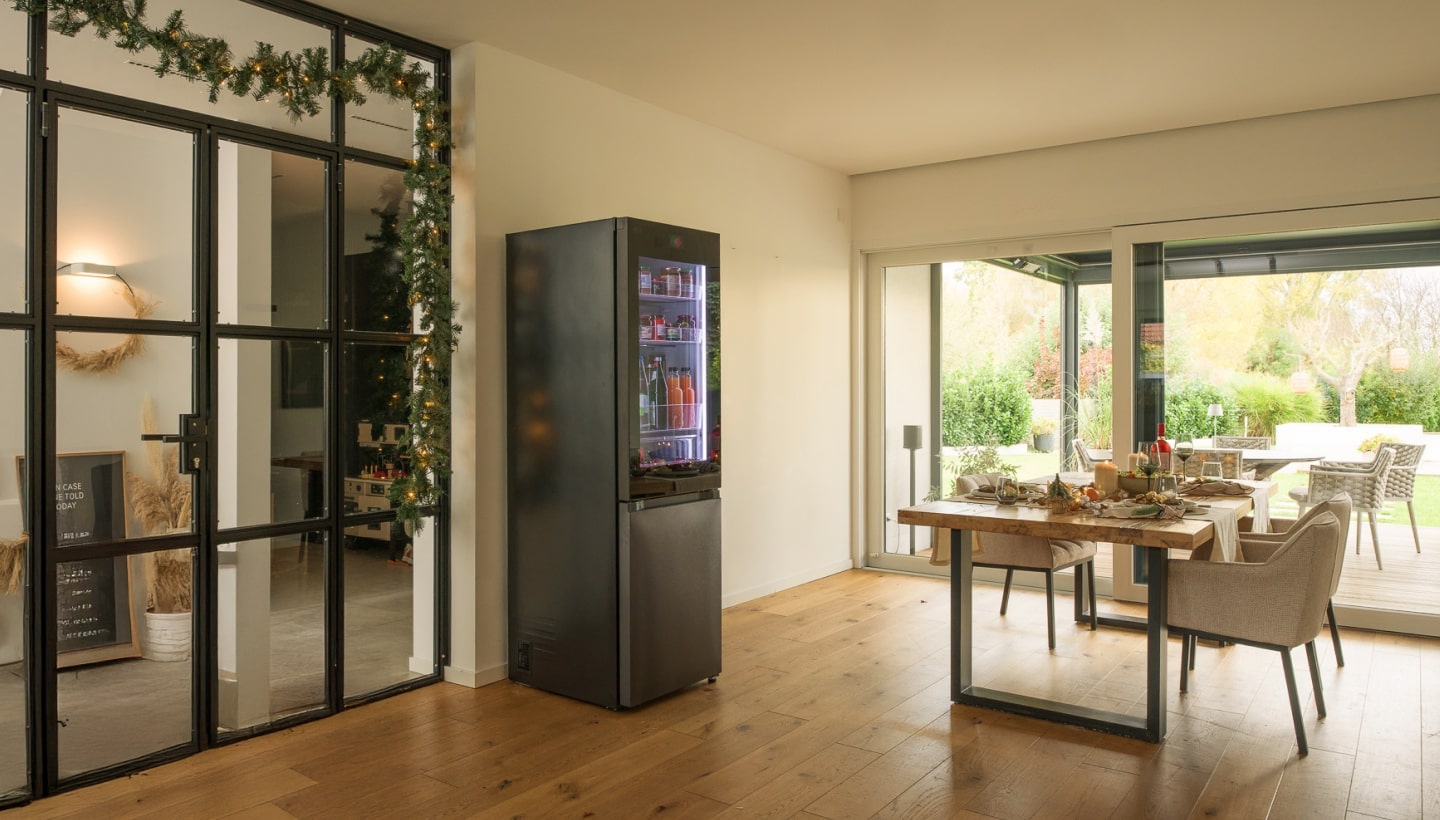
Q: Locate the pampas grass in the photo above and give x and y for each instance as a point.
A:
(12, 564)
(162, 504)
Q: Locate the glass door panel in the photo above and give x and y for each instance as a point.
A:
(389, 608)
(271, 649)
(14, 162)
(271, 431)
(124, 621)
(125, 247)
(14, 550)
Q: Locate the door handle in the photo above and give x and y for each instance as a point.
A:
(192, 438)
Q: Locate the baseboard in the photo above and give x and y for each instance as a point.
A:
(785, 583)
(476, 678)
(1406, 623)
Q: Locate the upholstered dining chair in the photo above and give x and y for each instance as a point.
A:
(1241, 442)
(1364, 482)
(1275, 604)
(1033, 554)
(1083, 462)
(1257, 547)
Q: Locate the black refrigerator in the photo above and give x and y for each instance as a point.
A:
(613, 398)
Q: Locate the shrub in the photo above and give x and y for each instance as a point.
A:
(1411, 397)
(1267, 402)
(1369, 444)
(984, 405)
(1187, 407)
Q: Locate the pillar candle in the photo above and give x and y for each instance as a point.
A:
(1136, 459)
(1107, 478)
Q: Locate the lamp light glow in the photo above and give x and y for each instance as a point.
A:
(89, 269)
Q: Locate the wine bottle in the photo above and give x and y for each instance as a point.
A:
(1162, 448)
(644, 395)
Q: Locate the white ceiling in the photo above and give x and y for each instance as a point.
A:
(868, 85)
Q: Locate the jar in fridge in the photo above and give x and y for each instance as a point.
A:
(645, 279)
(687, 284)
(647, 327)
(685, 325)
(657, 327)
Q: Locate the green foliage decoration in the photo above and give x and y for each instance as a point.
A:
(1187, 405)
(1409, 397)
(298, 82)
(984, 404)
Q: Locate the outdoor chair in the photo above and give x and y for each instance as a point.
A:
(1364, 482)
(1276, 604)
(1400, 483)
(1033, 554)
(1083, 462)
(1241, 442)
(1232, 463)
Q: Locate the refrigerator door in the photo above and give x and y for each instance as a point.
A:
(669, 595)
(669, 311)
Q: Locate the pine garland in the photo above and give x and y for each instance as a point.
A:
(298, 82)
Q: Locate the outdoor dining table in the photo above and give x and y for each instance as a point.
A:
(964, 518)
(1266, 463)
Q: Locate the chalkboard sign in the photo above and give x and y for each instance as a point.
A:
(94, 617)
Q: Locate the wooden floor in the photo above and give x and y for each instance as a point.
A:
(834, 703)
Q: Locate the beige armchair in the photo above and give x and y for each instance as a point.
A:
(1033, 554)
(1364, 482)
(1276, 604)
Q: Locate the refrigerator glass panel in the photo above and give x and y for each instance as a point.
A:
(677, 365)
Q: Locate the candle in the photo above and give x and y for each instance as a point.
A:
(1136, 459)
(1107, 477)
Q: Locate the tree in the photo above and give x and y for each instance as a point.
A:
(1337, 321)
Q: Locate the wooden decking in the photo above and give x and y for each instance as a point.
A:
(834, 703)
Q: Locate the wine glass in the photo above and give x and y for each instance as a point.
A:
(1150, 463)
(1183, 451)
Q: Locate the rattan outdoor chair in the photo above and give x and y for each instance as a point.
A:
(1083, 462)
(1241, 442)
(1363, 481)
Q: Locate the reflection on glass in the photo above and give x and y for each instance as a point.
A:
(14, 40)
(90, 62)
(272, 237)
(380, 123)
(139, 700)
(102, 414)
(389, 608)
(271, 429)
(124, 229)
(372, 290)
(14, 108)
(271, 628)
(376, 381)
(13, 548)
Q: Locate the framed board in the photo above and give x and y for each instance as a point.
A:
(95, 620)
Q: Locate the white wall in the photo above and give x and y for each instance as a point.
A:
(538, 147)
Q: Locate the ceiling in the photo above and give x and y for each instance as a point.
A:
(864, 85)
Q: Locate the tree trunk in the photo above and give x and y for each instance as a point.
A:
(1347, 404)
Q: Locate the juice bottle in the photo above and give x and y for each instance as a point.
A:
(687, 397)
(675, 399)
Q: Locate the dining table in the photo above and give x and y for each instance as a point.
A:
(1266, 463)
(1156, 538)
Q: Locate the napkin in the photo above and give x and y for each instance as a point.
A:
(1216, 488)
(1226, 531)
(1156, 511)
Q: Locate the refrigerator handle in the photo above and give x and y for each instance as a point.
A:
(668, 500)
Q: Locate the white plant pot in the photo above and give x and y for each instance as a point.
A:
(167, 636)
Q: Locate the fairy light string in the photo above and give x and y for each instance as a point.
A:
(299, 82)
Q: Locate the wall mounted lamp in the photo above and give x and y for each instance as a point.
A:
(89, 269)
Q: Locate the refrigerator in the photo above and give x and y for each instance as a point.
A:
(613, 403)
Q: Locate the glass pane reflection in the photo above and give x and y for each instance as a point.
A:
(389, 609)
(132, 218)
(14, 108)
(124, 686)
(14, 41)
(372, 290)
(272, 239)
(271, 424)
(272, 629)
(13, 551)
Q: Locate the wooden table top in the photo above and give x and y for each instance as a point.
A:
(959, 514)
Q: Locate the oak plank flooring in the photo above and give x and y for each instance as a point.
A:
(834, 703)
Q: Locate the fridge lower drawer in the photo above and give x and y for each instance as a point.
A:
(669, 595)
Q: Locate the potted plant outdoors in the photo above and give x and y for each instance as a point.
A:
(163, 504)
(1043, 431)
